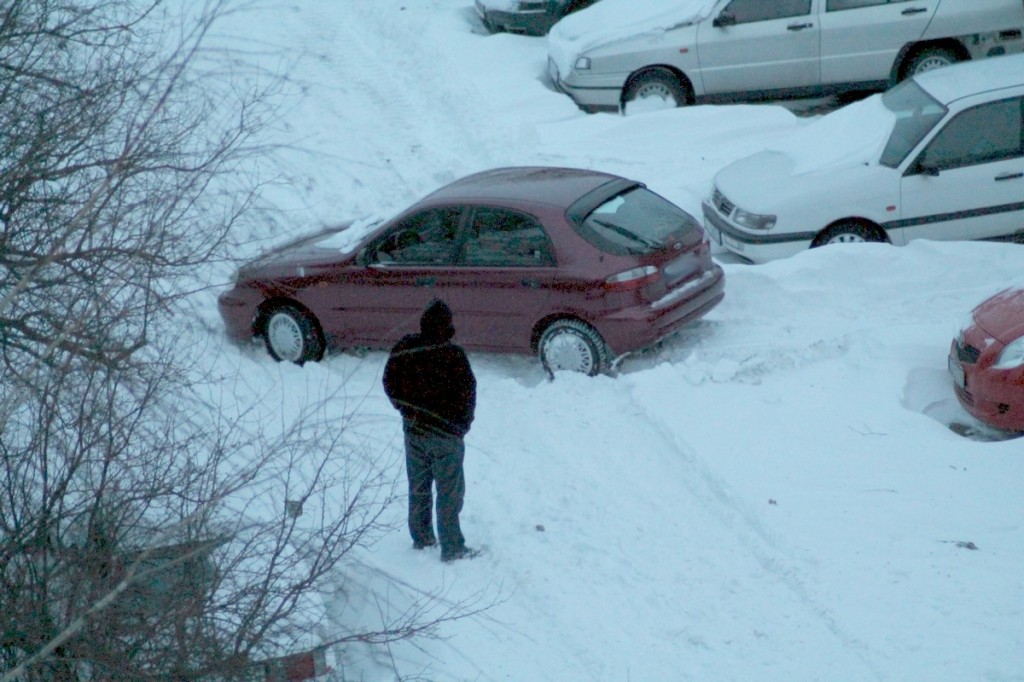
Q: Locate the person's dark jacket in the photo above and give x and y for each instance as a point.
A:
(428, 378)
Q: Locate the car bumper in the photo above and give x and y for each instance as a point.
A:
(758, 247)
(637, 327)
(994, 397)
(237, 308)
(589, 94)
(525, 23)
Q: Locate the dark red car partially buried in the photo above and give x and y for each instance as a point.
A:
(986, 361)
(579, 266)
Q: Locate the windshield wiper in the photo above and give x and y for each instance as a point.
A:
(632, 236)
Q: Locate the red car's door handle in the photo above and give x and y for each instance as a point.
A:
(1009, 176)
(426, 281)
(531, 283)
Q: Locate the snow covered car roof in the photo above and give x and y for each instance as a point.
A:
(612, 20)
(970, 78)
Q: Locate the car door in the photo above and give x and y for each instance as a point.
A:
(501, 283)
(754, 45)
(968, 181)
(381, 297)
(860, 39)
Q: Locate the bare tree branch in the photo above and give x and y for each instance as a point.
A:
(145, 534)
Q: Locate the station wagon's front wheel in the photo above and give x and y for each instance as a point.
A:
(292, 334)
(655, 89)
(574, 346)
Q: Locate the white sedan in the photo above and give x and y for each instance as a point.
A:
(940, 156)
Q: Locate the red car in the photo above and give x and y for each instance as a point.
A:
(987, 362)
(578, 266)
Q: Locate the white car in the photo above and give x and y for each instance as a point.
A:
(528, 17)
(619, 54)
(940, 156)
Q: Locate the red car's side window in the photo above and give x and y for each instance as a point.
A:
(425, 238)
(502, 238)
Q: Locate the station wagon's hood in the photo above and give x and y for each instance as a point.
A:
(612, 21)
(1002, 316)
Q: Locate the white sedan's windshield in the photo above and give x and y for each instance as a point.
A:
(917, 112)
(853, 135)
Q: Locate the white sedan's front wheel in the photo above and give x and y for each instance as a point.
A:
(847, 233)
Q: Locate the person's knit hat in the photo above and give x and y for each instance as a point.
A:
(436, 322)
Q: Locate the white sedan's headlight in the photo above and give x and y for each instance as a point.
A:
(582, 64)
(1012, 356)
(754, 221)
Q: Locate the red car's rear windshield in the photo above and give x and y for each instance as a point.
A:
(635, 222)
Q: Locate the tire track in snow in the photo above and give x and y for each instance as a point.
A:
(709, 351)
(738, 520)
(365, 79)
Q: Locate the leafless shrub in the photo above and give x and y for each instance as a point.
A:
(144, 537)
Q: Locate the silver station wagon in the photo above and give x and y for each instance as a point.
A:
(623, 53)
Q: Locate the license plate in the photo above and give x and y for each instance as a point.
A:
(957, 372)
(683, 266)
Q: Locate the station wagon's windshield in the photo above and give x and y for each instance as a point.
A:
(635, 222)
(917, 113)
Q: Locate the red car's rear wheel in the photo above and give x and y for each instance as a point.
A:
(574, 346)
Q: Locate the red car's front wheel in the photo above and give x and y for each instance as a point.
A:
(292, 334)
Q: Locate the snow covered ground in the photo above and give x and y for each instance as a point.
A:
(775, 494)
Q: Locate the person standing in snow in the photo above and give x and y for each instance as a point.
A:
(429, 381)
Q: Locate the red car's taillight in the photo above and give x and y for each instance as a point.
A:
(632, 279)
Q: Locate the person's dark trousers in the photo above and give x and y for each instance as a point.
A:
(435, 457)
